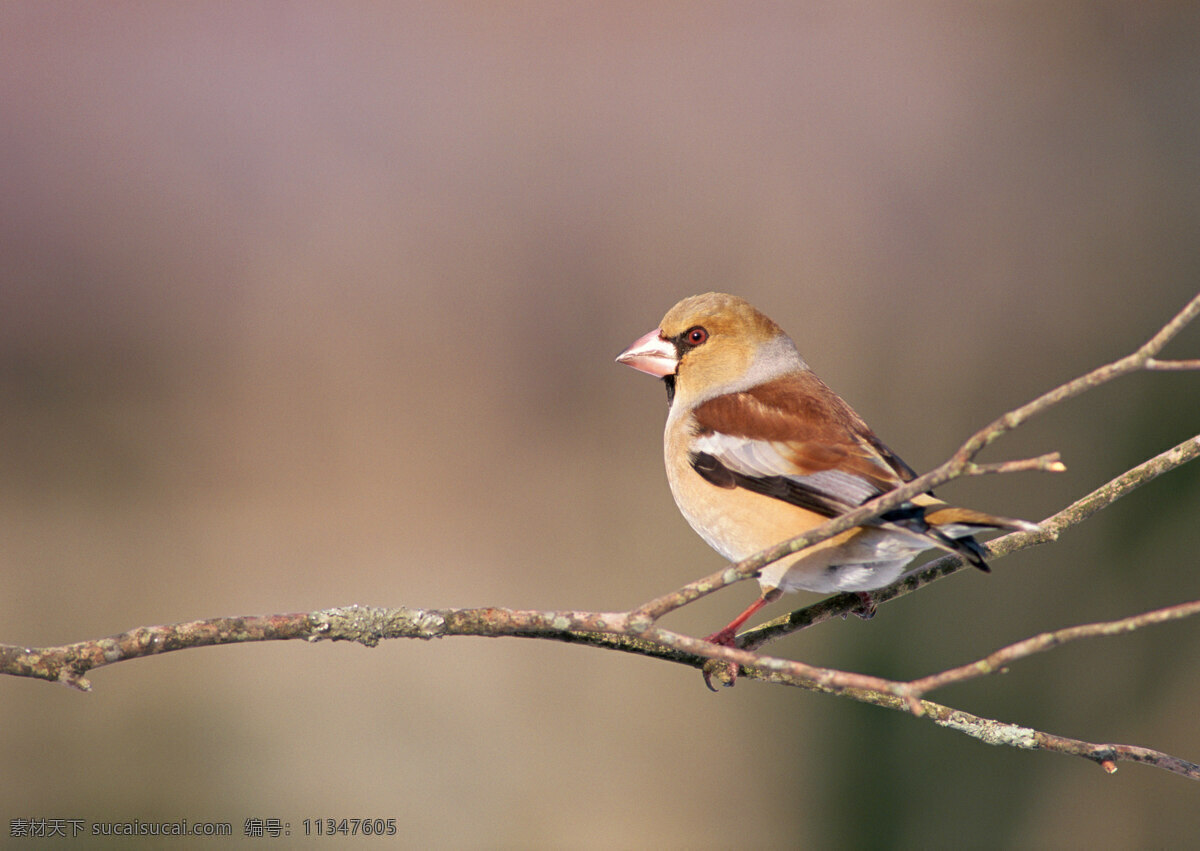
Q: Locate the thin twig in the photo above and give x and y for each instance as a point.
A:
(1106, 756)
(1000, 659)
(1048, 463)
(68, 664)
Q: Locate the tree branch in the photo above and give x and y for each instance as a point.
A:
(1000, 659)
(636, 631)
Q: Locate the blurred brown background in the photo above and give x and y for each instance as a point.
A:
(315, 304)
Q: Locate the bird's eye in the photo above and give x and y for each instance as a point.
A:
(695, 336)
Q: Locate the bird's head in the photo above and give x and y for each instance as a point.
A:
(712, 344)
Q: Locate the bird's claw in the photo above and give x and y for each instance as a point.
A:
(866, 606)
(725, 672)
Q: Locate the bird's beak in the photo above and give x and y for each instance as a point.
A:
(652, 355)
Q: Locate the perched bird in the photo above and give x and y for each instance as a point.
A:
(759, 450)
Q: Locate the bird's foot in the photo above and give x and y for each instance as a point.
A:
(725, 672)
(866, 605)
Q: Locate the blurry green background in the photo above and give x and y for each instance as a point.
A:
(314, 304)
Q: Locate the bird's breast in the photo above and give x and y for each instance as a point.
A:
(733, 521)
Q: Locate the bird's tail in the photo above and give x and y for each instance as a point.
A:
(952, 529)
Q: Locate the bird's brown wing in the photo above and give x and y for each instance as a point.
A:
(795, 440)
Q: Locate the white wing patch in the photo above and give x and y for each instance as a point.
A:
(764, 459)
(845, 486)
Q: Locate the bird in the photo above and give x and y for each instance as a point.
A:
(758, 449)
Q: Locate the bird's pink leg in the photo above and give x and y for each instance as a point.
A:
(727, 636)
